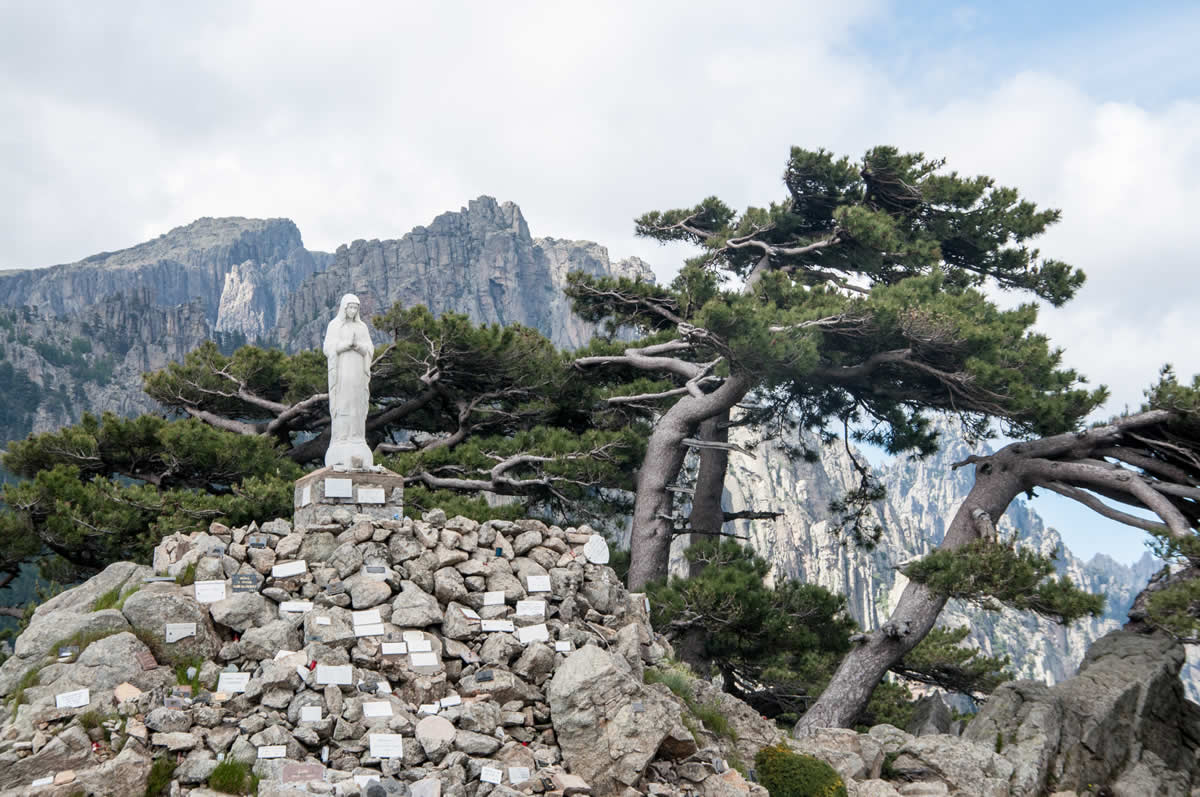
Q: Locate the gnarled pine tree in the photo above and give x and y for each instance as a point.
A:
(855, 303)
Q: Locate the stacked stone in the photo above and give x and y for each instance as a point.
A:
(391, 656)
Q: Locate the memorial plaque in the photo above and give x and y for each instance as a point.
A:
(374, 629)
(595, 550)
(387, 745)
(470, 613)
(646, 601)
(409, 636)
(493, 598)
(335, 588)
(339, 488)
(485, 675)
(246, 582)
(339, 674)
(232, 682)
(68, 652)
(175, 702)
(562, 646)
(377, 708)
(428, 708)
(533, 633)
(493, 626)
(158, 579)
(46, 781)
(146, 659)
(257, 541)
(499, 552)
(302, 772)
(361, 781)
(182, 690)
(310, 713)
(288, 569)
(518, 775)
(371, 495)
(173, 632)
(639, 707)
(423, 659)
(491, 775)
(366, 617)
(538, 583)
(75, 699)
(376, 572)
(306, 495)
(531, 608)
(324, 621)
(209, 591)
(273, 751)
(295, 606)
(421, 645)
(218, 549)
(451, 700)
(394, 648)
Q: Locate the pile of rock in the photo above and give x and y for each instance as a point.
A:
(366, 655)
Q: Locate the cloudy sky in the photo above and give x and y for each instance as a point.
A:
(361, 120)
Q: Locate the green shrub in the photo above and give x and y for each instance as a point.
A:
(231, 777)
(158, 782)
(675, 680)
(710, 714)
(181, 676)
(113, 599)
(187, 577)
(785, 773)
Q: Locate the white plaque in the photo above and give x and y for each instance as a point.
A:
(394, 648)
(428, 708)
(177, 631)
(409, 636)
(387, 745)
(324, 621)
(497, 625)
(302, 671)
(340, 674)
(518, 774)
(272, 751)
(493, 598)
(423, 659)
(531, 608)
(470, 613)
(647, 603)
(310, 713)
(46, 781)
(339, 488)
(562, 646)
(282, 654)
(232, 682)
(538, 583)
(366, 617)
(75, 699)
(491, 774)
(361, 781)
(286, 569)
(296, 606)
(375, 629)
(421, 645)
(595, 550)
(371, 495)
(533, 633)
(451, 700)
(209, 591)
(377, 708)
(306, 495)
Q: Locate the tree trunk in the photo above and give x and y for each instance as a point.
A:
(650, 539)
(707, 515)
(848, 693)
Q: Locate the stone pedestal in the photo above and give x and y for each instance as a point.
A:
(377, 494)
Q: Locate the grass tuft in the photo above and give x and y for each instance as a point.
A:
(188, 576)
(30, 679)
(158, 783)
(232, 777)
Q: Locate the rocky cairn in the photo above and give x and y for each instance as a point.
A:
(357, 654)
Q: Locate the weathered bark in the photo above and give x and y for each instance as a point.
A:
(650, 539)
(848, 693)
(707, 516)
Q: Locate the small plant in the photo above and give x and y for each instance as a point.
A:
(188, 576)
(231, 777)
(81, 639)
(181, 673)
(675, 680)
(29, 680)
(888, 770)
(999, 742)
(710, 714)
(786, 773)
(113, 599)
(90, 719)
(158, 782)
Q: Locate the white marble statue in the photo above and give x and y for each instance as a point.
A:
(349, 350)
